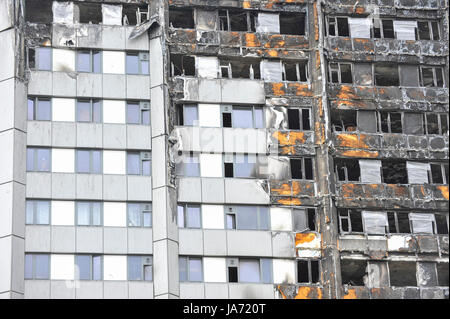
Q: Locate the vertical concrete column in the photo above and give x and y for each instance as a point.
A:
(165, 229)
(12, 152)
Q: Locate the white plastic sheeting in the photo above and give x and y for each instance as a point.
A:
(111, 14)
(212, 217)
(405, 30)
(370, 171)
(280, 219)
(207, 67)
(417, 172)
(62, 12)
(209, 115)
(283, 271)
(63, 60)
(268, 22)
(375, 222)
(63, 213)
(422, 223)
(360, 27)
(271, 71)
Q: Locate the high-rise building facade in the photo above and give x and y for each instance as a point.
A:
(224, 149)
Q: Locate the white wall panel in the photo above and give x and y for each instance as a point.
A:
(212, 217)
(281, 218)
(63, 160)
(63, 60)
(114, 214)
(114, 62)
(114, 111)
(211, 165)
(209, 115)
(63, 213)
(62, 267)
(115, 267)
(63, 110)
(283, 271)
(207, 67)
(114, 162)
(214, 269)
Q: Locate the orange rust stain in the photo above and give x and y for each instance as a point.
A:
(308, 292)
(351, 294)
(278, 89)
(296, 188)
(352, 140)
(301, 89)
(444, 191)
(289, 138)
(360, 10)
(346, 93)
(360, 153)
(320, 106)
(288, 150)
(302, 238)
(316, 23)
(422, 190)
(273, 53)
(290, 201)
(246, 4)
(317, 60)
(347, 190)
(320, 133)
(285, 189)
(251, 40)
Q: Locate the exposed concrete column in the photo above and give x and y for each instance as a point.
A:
(165, 229)
(13, 123)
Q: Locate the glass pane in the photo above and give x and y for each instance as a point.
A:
(133, 162)
(147, 219)
(263, 218)
(96, 162)
(29, 212)
(134, 215)
(259, 117)
(427, 77)
(133, 110)
(193, 217)
(132, 64)
(43, 160)
(299, 220)
(97, 111)
(145, 117)
(191, 169)
(182, 264)
(180, 211)
(42, 266)
(266, 266)
(30, 159)
(83, 111)
(83, 214)
(97, 62)
(134, 267)
(28, 266)
(83, 62)
(96, 214)
(30, 109)
(43, 112)
(195, 269)
(190, 115)
(96, 268)
(42, 212)
(145, 66)
(83, 264)
(83, 161)
(148, 273)
(231, 221)
(44, 59)
(249, 270)
(247, 217)
(244, 165)
(146, 168)
(424, 30)
(242, 117)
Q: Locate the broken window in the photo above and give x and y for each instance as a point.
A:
(190, 268)
(189, 165)
(353, 272)
(268, 22)
(409, 75)
(442, 274)
(431, 76)
(39, 109)
(367, 121)
(394, 171)
(347, 170)
(402, 273)
(375, 223)
(370, 171)
(391, 122)
(90, 12)
(422, 223)
(405, 30)
(340, 73)
(272, 70)
(181, 18)
(427, 30)
(39, 11)
(187, 114)
(436, 123)
(338, 26)
(343, 120)
(295, 71)
(302, 168)
(413, 123)
(386, 74)
(182, 65)
(292, 23)
(189, 216)
(439, 173)
(299, 119)
(138, 113)
(441, 223)
(304, 219)
(383, 29)
(89, 111)
(134, 15)
(237, 20)
(308, 271)
(363, 73)
(350, 221)
(89, 61)
(137, 63)
(398, 223)
(240, 69)
(247, 217)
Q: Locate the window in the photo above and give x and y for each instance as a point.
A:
(89, 267)
(299, 119)
(237, 20)
(137, 63)
(243, 117)
(89, 214)
(249, 270)
(375, 223)
(139, 215)
(38, 159)
(39, 109)
(89, 161)
(350, 221)
(182, 65)
(427, 30)
(344, 121)
(90, 13)
(304, 219)
(347, 170)
(189, 216)
(189, 165)
(89, 61)
(43, 59)
(89, 111)
(436, 123)
(241, 68)
(423, 223)
(191, 269)
(295, 71)
(338, 26)
(340, 73)
(37, 266)
(292, 23)
(302, 168)
(439, 173)
(37, 212)
(139, 163)
(383, 29)
(402, 273)
(181, 18)
(140, 268)
(188, 115)
(386, 74)
(138, 113)
(247, 217)
(241, 165)
(308, 271)
(391, 122)
(431, 76)
(394, 171)
(398, 223)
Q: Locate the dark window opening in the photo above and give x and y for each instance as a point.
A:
(347, 170)
(295, 71)
(296, 168)
(292, 23)
(299, 119)
(302, 271)
(402, 273)
(442, 274)
(236, 20)
(90, 13)
(133, 15)
(441, 224)
(398, 223)
(431, 77)
(243, 69)
(39, 11)
(423, 29)
(343, 121)
(388, 29)
(229, 170)
(386, 75)
(350, 221)
(391, 122)
(181, 18)
(436, 174)
(226, 119)
(31, 58)
(343, 29)
(232, 274)
(302, 168)
(340, 73)
(436, 123)
(182, 65)
(353, 272)
(311, 218)
(394, 171)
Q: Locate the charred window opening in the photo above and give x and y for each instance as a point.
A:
(343, 121)
(304, 219)
(391, 122)
(427, 30)
(386, 74)
(441, 223)
(292, 23)
(133, 15)
(340, 73)
(182, 65)
(442, 274)
(383, 29)
(299, 119)
(347, 170)
(436, 123)
(338, 26)
(39, 11)
(295, 71)
(394, 171)
(236, 20)
(302, 168)
(431, 76)
(31, 58)
(439, 173)
(308, 271)
(398, 223)
(353, 272)
(90, 12)
(402, 273)
(240, 69)
(350, 221)
(181, 18)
